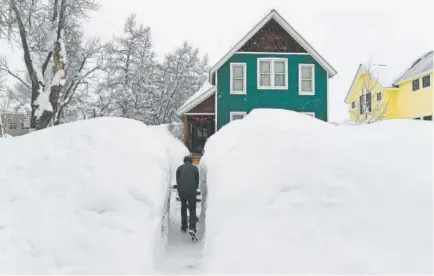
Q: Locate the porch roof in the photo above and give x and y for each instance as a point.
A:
(202, 94)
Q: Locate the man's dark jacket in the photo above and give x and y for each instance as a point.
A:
(187, 178)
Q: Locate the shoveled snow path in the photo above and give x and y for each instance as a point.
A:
(182, 256)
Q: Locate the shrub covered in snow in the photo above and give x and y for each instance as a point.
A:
(177, 130)
(287, 193)
(85, 197)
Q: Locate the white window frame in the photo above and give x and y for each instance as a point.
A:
(312, 114)
(272, 78)
(242, 64)
(234, 113)
(306, 93)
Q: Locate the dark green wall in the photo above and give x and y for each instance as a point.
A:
(283, 99)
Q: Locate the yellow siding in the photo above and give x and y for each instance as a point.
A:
(412, 104)
(384, 109)
(397, 103)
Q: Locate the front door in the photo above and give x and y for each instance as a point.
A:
(199, 134)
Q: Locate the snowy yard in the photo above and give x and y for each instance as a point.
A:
(284, 193)
(86, 197)
(291, 194)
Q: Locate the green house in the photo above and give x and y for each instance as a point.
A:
(272, 66)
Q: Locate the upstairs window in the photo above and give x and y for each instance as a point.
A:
(368, 102)
(362, 104)
(415, 84)
(238, 78)
(353, 105)
(306, 79)
(426, 81)
(272, 73)
(379, 96)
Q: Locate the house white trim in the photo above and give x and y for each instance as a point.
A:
(244, 66)
(234, 113)
(216, 101)
(306, 93)
(205, 114)
(272, 74)
(289, 29)
(312, 114)
(196, 101)
(328, 98)
(272, 53)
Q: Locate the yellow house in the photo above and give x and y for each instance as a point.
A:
(372, 97)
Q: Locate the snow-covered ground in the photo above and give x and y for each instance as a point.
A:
(85, 197)
(181, 255)
(287, 193)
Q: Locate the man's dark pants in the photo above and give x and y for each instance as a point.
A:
(190, 201)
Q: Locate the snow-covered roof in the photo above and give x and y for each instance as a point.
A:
(273, 14)
(421, 65)
(202, 94)
(381, 73)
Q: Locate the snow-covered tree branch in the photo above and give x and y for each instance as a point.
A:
(39, 28)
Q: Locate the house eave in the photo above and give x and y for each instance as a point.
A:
(397, 83)
(288, 28)
(186, 108)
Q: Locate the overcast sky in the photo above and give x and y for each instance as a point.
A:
(345, 33)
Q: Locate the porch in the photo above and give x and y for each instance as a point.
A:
(198, 127)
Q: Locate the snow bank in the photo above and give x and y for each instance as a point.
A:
(287, 193)
(85, 197)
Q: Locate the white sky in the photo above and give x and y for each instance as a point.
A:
(344, 32)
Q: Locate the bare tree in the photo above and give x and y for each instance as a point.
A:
(39, 27)
(180, 75)
(368, 109)
(129, 73)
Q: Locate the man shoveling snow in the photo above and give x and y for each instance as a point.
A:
(187, 181)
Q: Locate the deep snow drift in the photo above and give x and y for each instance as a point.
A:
(85, 197)
(287, 193)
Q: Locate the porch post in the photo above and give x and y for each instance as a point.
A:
(186, 131)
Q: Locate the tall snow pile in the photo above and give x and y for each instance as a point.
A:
(287, 193)
(85, 197)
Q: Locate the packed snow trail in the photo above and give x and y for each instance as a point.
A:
(181, 256)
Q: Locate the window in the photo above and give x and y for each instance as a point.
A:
(368, 102)
(353, 105)
(238, 78)
(306, 79)
(362, 104)
(272, 73)
(427, 118)
(12, 126)
(311, 114)
(237, 115)
(416, 85)
(379, 96)
(426, 81)
(22, 125)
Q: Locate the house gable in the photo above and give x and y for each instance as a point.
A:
(207, 106)
(272, 38)
(268, 41)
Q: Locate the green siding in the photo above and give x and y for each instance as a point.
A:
(283, 99)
